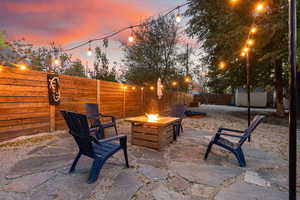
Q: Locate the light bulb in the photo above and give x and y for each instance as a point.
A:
(243, 54)
(178, 18)
(253, 30)
(259, 7)
(133, 88)
(130, 38)
(250, 42)
(246, 49)
(222, 65)
(23, 67)
(174, 83)
(89, 52)
(151, 88)
(56, 61)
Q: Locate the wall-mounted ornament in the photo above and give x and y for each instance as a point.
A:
(53, 89)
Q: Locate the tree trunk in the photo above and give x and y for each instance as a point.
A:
(279, 88)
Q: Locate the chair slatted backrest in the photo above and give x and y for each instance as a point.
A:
(178, 110)
(92, 112)
(79, 129)
(254, 123)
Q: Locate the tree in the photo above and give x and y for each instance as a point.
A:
(3, 43)
(153, 54)
(224, 28)
(102, 70)
(76, 69)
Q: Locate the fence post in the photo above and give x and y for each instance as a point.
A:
(98, 93)
(52, 118)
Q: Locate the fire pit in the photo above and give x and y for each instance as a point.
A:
(152, 131)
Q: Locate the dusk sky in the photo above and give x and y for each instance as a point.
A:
(70, 21)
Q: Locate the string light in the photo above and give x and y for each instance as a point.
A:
(112, 34)
(174, 83)
(142, 88)
(187, 80)
(246, 49)
(178, 18)
(250, 42)
(243, 54)
(259, 7)
(133, 88)
(253, 30)
(89, 52)
(222, 65)
(22, 67)
(56, 61)
(131, 38)
(151, 88)
(161, 86)
(233, 1)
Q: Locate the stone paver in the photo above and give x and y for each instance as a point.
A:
(210, 175)
(40, 170)
(27, 183)
(254, 178)
(163, 193)
(124, 187)
(153, 173)
(246, 191)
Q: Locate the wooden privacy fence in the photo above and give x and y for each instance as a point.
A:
(215, 99)
(25, 109)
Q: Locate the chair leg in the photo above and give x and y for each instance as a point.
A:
(208, 150)
(174, 132)
(100, 133)
(240, 157)
(115, 125)
(75, 163)
(126, 157)
(95, 170)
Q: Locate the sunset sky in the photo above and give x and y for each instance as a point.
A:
(68, 22)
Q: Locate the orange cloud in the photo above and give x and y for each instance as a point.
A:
(66, 21)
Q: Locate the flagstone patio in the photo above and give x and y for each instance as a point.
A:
(38, 170)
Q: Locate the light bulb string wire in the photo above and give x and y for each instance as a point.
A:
(107, 36)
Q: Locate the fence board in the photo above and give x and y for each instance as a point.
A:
(25, 109)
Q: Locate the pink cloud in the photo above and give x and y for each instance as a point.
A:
(65, 21)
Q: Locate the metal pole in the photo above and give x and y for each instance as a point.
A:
(293, 100)
(248, 89)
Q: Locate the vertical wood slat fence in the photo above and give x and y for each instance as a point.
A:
(25, 109)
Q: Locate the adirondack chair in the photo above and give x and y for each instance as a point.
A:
(235, 148)
(178, 110)
(99, 150)
(95, 116)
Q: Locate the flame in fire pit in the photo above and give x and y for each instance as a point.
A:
(152, 117)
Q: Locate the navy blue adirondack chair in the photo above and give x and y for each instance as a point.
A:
(95, 116)
(178, 110)
(99, 150)
(235, 148)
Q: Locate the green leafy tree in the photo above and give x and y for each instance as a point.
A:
(224, 28)
(102, 71)
(153, 54)
(76, 69)
(3, 43)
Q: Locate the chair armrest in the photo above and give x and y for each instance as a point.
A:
(120, 137)
(230, 135)
(93, 130)
(113, 118)
(230, 130)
